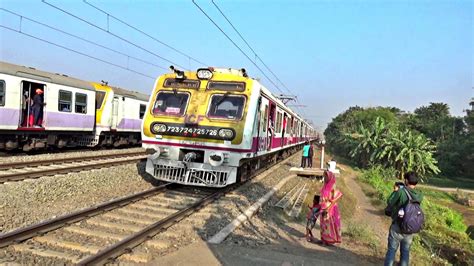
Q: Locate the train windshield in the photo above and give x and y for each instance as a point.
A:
(226, 106)
(170, 103)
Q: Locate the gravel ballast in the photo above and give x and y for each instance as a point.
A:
(69, 154)
(27, 202)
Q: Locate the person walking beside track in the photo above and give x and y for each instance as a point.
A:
(330, 217)
(403, 193)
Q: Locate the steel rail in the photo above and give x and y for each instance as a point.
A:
(64, 170)
(137, 238)
(15, 165)
(52, 224)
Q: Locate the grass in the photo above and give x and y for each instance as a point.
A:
(452, 182)
(444, 238)
(361, 234)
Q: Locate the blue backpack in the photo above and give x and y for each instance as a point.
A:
(414, 218)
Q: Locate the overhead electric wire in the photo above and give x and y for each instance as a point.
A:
(83, 39)
(115, 35)
(144, 33)
(75, 51)
(240, 49)
(256, 55)
(248, 45)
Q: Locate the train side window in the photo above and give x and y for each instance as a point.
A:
(142, 111)
(2, 93)
(99, 99)
(81, 103)
(226, 106)
(170, 103)
(278, 123)
(265, 119)
(65, 101)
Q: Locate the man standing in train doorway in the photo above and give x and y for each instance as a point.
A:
(37, 108)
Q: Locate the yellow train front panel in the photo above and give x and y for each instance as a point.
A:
(200, 128)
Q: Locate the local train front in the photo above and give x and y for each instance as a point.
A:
(197, 127)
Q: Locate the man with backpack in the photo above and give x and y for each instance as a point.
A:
(403, 205)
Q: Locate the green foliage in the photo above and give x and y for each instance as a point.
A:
(444, 232)
(429, 141)
(401, 150)
(338, 133)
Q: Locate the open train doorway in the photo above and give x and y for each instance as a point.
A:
(271, 124)
(32, 104)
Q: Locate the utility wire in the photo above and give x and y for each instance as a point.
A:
(75, 51)
(223, 32)
(115, 35)
(256, 55)
(144, 33)
(83, 39)
(250, 47)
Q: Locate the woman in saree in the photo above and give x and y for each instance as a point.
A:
(330, 218)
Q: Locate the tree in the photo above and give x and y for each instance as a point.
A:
(408, 151)
(369, 141)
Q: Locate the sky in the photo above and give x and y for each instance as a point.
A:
(330, 54)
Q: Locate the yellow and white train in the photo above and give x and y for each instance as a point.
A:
(215, 127)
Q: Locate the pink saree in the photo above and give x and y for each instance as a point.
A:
(331, 222)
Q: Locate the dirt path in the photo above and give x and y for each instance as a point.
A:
(366, 213)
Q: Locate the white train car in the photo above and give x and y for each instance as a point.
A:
(119, 115)
(216, 127)
(76, 112)
(68, 114)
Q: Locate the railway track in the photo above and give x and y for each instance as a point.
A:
(33, 169)
(119, 226)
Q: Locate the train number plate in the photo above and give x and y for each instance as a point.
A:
(191, 131)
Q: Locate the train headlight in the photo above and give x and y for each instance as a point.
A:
(204, 73)
(164, 151)
(159, 128)
(216, 158)
(226, 133)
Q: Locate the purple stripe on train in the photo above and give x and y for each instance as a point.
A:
(59, 119)
(127, 123)
(9, 117)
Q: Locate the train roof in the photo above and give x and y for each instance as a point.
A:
(32, 73)
(131, 94)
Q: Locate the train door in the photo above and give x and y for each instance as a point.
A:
(271, 124)
(115, 112)
(32, 104)
(283, 131)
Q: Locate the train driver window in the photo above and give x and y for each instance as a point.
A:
(2, 93)
(226, 106)
(142, 111)
(81, 103)
(170, 103)
(65, 101)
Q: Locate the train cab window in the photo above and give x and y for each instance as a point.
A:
(170, 103)
(226, 106)
(2, 93)
(65, 101)
(99, 99)
(81, 103)
(142, 111)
